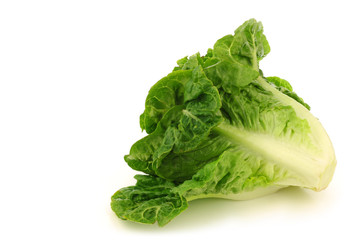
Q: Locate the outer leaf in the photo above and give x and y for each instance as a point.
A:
(164, 95)
(234, 75)
(237, 174)
(150, 201)
(239, 56)
(284, 86)
(279, 82)
(182, 130)
(257, 110)
(250, 42)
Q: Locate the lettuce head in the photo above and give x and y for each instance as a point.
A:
(218, 128)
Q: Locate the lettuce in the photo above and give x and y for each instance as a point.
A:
(218, 128)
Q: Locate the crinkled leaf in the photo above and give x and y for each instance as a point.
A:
(236, 174)
(164, 95)
(284, 86)
(150, 200)
(239, 56)
(181, 129)
(250, 42)
(279, 82)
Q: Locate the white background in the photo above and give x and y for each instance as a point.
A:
(73, 80)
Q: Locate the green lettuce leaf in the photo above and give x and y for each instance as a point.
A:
(284, 86)
(183, 127)
(150, 200)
